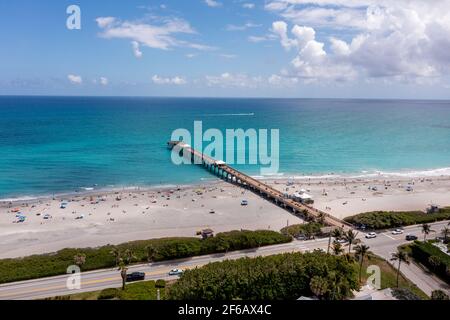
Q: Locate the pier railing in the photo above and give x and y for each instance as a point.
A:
(227, 173)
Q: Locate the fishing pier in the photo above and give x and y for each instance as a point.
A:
(227, 173)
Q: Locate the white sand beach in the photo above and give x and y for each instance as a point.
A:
(120, 216)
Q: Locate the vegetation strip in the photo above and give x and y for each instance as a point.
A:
(391, 219)
(39, 266)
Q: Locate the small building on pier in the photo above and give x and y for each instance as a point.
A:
(302, 197)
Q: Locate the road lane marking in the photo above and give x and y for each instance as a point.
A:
(154, 273)
(390, 236)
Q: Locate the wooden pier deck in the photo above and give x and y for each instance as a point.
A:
(227, 173)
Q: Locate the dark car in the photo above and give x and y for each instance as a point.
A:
(411, 237)
(135, 276)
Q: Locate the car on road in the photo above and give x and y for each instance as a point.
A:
(397, 231)
(411, 237)
(175, 272)
(371, 235)
(341, 241)
(300, 237)
(135, 276)
(244, 203)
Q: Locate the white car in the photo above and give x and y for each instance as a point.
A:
(175, 272)
(397, 231)
(341, 241)
(371, 235)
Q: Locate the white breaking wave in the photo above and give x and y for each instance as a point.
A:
(230, 114)
(408, 174)
(364, 174)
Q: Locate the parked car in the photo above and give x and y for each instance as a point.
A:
(341, 241)
(175, 272)
(411, 237)
(371, 235)
(244, 203)
(397, 231)
(135, 276)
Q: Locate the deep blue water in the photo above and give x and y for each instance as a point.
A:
(60, 144)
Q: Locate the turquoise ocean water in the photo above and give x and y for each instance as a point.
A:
(60, 144)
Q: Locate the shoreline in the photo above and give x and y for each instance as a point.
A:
(99, 218)
(363, 175)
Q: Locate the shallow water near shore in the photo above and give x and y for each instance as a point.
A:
(54, 145)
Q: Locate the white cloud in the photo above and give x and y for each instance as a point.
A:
(257, 39)
(402, 40)
(241, 80)
(104, 22)
(235, 80)
(158, 35)
(136, 49)
(282, 81)
(280, 29)
(74, 79)
(162, 80)
(104, 81)
(213, 3)
(248, 25)
(248, 5)
(228, 56)
(245, 81)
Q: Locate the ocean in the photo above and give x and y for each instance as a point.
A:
(53, 145)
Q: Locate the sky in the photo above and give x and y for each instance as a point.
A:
(227, 48)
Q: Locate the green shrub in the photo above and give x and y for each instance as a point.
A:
(160, 283)
(432, 257)
(286, 276)
(39, 266)
(390, 219)
(108, 294)
(404, 294)
(439, 295)
(307, 229)
(145, 290)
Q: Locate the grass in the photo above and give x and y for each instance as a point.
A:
(145, 290)
(389, 276)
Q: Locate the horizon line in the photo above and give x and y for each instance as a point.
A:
(217, 97)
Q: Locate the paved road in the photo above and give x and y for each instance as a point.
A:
(383, 245)
(386, 244)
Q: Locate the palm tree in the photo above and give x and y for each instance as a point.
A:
(426, 229)
(318, 286)
(123, 273)
(350, 236)
(116, 254)
(445, 232)
(337, 233)
(129, 256)
(400, 256)
(79, 259)
(151, 252)
(337, 248)
(321, 218)
(361, 251)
